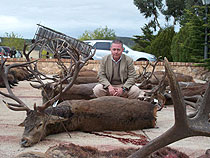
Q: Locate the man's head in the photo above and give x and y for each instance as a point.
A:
(116, 49)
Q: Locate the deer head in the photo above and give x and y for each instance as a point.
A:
(34, 131)
(36, 124)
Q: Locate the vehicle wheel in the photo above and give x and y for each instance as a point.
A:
(142, 59)
(59, 47)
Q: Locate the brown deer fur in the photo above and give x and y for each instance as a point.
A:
(84, 72)
(195, 89)
(180, 77)
(80, 91)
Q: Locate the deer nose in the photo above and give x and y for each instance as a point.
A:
(24, 142)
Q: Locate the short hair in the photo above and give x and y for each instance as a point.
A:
(117, 41)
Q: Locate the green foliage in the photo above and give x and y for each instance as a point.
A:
(179, 51)
(99, 33)
(144, 41)
(151, 9)
(46, 54)
(161, 45)
(175, 8)
(13, 40)
(188, 44)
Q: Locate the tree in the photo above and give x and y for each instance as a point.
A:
(144, 41)
(188, 44)
(99, 33)
(13, 40)
(169, 8)
(161, 45)
(180, 51)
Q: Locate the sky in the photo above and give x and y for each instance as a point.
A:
(71, 17)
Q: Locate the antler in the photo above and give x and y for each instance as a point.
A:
(56, 43)
(157, 92)
(145, 76)
(4, 73)
(184, 126)
(59, 44)
(33, 68)
(77, 62)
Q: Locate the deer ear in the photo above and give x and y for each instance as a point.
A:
(54, 119)
(35, 109)
(21, 124)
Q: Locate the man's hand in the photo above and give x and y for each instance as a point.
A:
(118, 91)
(115, 91)
(111, 90)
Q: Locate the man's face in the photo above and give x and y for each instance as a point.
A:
(116, 50)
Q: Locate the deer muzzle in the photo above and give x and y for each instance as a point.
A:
(25, 142)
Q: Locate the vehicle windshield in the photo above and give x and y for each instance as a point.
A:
(2, 51)
(102, 45)
(6, 49)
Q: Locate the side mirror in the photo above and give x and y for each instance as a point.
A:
(126, 51)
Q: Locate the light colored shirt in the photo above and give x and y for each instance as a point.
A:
(116, 62)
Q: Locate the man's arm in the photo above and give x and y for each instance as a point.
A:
(131, 75)
(102, 77)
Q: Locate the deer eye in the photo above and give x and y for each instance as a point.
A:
(40, 124)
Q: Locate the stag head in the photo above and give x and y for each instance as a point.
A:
(36, 126)
(34, 131)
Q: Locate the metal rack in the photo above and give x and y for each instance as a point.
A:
(49, 39)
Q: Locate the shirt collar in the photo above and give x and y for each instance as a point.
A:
(116, 62)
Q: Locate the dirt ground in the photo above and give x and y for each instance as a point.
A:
(10, 132)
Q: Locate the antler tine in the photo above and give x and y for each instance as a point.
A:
(34, 69)
(4, 72)
(89, 57)
(41, 75)
(204, 109)
(206, 101)
(16, 107)
(144, 69)
(33, 46)
(145, 76)
(154, 66)
(77, 66)
(3, 61)
(21, 105)
(177, 97)
(200, 123)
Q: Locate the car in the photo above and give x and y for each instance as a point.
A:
(12, 52)
(103, 48)
(7, 50)
(4, 53)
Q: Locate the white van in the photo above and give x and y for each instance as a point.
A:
(103, 48)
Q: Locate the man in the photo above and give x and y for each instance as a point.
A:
(12, 52)
(116, 74)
